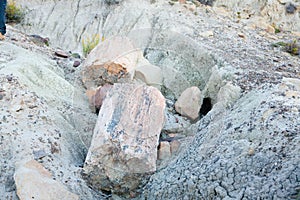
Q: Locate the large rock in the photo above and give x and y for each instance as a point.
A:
(189, 103)
(123, 151)
(110, 61)
(33, 181)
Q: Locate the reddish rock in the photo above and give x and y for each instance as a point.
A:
(97, 96)
(76, 63)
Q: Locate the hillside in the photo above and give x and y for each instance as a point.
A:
(179, 100)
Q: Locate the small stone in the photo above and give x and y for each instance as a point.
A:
(96, 97)
(61, 54)
(207, 34)
(1, 96)
(149, 74)
(241, 35)
(39, 154)
(270, 29)
(38, 40)
(76, 63)
(76, 55)
(290, 8)
(164, 151)
(182, 1)
(17, 108)
(251, 152)
(296, 33)
(9, 78)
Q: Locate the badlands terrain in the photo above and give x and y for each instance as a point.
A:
(179, 100)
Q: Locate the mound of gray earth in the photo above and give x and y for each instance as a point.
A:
(250, 151)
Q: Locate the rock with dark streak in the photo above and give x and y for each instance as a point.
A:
(123, 151)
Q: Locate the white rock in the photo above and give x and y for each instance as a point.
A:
(189, 103)
(207, 34)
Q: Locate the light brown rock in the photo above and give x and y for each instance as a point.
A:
(124, 146)
(110, 61)
(149, 74)
(164, 151)
(270, 29)
(189, 103)
(33, 181)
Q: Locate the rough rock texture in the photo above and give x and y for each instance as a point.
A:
(110, 61)
(33, 181)
(258, 13)
(207, 2)
(82, 19)
(123, 151)
(189, 103)
(228, 94)
(248, 152)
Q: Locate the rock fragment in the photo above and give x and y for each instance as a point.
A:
(76, 63)
(61, 54)
(164, 151)
(149, 74)
(189, 103)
